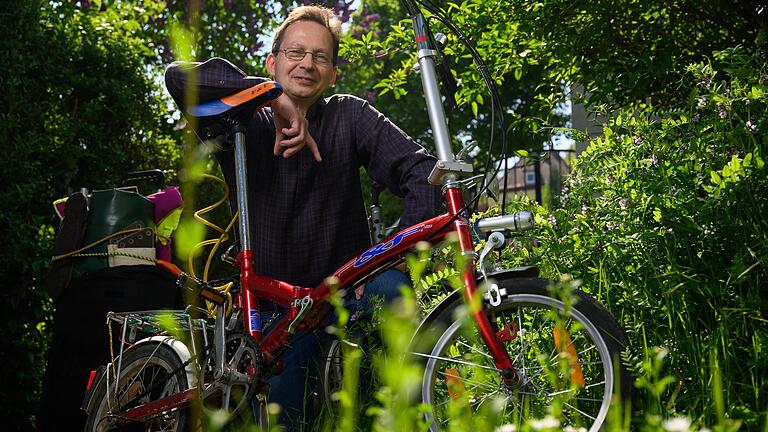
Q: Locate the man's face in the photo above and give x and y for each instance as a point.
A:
(304, 80)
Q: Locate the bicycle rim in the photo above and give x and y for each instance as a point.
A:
(563, 363)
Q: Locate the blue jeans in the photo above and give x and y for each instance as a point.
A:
(297, 383)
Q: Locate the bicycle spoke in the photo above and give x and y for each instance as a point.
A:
(475, 349)
(475, 383)
(579, 411)
(430, 356)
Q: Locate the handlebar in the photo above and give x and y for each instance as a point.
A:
(520, 221)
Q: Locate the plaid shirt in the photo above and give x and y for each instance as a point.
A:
(308, 217)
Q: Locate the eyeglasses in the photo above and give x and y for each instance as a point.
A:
(295, 54)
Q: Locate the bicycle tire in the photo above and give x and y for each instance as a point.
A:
(331, 377)
(143, 366)
(459, 375)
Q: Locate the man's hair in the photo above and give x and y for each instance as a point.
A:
(318, 14)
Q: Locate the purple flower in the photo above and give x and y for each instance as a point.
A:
(552, 221)
(701, 102)
(751, 126)
(623, 203)
(723, 113)
(638, 140)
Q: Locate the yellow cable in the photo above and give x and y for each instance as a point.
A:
(223, 236)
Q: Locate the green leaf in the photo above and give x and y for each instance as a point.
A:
(736, 164)
(518, 74)
(726, 171)
(715, 177)
(657, 214)
(759, 162)
(474, 108)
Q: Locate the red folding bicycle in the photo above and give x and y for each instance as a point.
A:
(523, 347)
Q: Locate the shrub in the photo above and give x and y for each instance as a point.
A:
(664, 219)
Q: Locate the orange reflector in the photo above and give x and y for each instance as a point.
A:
(565, 347)
(455, 386)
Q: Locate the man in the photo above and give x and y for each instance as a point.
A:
(304, 155)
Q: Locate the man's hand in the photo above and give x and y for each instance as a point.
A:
(291, 129)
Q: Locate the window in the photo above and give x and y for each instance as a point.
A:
(530, 178)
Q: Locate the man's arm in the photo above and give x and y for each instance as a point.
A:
(392, 158)
(217, 78)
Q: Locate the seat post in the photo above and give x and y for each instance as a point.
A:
(241, 180)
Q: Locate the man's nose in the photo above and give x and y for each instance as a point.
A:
(308, 62)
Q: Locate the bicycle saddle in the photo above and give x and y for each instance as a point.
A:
(224, 93)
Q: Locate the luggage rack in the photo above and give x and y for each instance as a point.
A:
(136, 325)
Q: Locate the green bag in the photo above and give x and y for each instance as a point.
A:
(111, 211)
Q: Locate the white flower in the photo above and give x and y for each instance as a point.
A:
(677, 424)
(506, 428)
(547, 422)
(573, 429)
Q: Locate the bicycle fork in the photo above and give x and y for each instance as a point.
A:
(496, 348)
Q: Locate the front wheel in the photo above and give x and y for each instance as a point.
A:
(565, 352)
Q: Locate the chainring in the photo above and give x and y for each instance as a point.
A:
(232, 392)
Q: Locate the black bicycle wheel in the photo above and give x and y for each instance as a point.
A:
(565, 352)
(147, 374)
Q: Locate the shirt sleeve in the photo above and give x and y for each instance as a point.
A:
(394, 159)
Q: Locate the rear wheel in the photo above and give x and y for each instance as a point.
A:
(147, 375)
(565, 353)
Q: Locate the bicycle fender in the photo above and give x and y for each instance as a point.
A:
(176, 345)
(454, 298)
(181, 350)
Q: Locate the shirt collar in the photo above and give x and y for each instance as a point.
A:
(316, 110)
